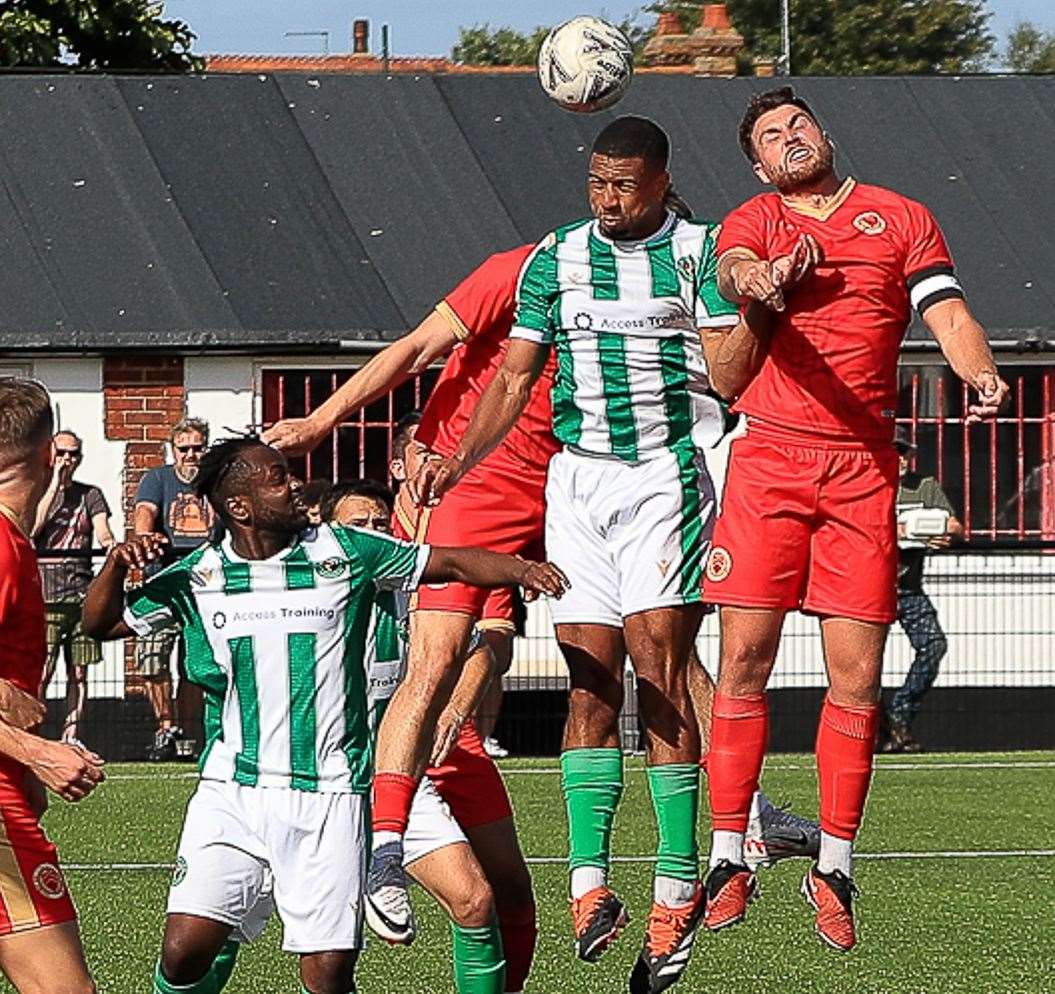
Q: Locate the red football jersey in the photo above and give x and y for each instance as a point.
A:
(480, 311)
(831, 369)
(22, 634)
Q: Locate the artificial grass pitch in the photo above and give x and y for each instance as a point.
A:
(965, 921)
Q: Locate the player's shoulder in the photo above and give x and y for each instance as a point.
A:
(768, 202)
(13, 544)
(197, 567)
(883, 198)
(558, 236)
(504, 265)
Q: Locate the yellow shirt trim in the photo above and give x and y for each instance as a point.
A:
(457, 325)
(834, 202)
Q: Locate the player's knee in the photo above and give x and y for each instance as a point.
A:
(328, 973)
(182, 961)
(474, 905)
(514, 893)
(595, 714)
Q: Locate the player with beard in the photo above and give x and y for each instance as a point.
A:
(807, 520)
(622, 299)
(276, 615)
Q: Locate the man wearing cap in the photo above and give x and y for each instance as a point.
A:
(926, 520)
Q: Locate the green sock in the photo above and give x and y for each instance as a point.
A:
(675, 792)
(207, 984)
(592, 782)
(223, 965)
(479, 963)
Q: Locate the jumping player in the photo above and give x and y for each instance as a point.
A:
(622, 298)
(808, 512)
(276, 616)
(40, 948)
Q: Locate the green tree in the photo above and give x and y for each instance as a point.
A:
(481, 45)
(1030, 49)
(865, 37)
(94, 34)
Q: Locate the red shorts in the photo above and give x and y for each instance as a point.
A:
(32, 889)
(493, 508)
(469, 782)
(806, 528)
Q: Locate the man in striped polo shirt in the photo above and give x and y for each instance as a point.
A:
(276, 618)
(622, 297)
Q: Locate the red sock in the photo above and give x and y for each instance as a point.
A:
(519, 930)
(845, 743)
(739, 728)
(393, 795)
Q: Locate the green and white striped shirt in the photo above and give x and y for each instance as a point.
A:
(279, 647)
(624, 318)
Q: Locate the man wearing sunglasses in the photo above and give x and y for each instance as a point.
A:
(166, 503)
(71, 516)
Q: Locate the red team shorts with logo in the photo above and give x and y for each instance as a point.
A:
(497, 506)
(806, 527)
(32, 888)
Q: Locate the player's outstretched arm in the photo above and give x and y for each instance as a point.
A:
(392, 366)
(735, 354)
(483, 568)
(963, 341)
(501, 404)
(102, 615)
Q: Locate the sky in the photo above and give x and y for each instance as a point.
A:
(430, 27)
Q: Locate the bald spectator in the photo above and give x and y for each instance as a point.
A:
(71, 517)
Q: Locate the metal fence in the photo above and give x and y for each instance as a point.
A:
(994, 595)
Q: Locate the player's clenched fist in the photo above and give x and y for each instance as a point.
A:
(71, 771)
(139, 551)
(543, 578)
(435, 477)
(992, 396)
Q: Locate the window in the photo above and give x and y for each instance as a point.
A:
(361, 447)
(999, 476)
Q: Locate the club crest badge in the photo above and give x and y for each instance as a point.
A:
(719, 564)
(330, 569)
(47, 879)
(870, 223)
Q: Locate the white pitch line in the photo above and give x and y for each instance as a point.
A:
(552, 860)
(1030, 764)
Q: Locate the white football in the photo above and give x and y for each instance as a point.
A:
(585, 64)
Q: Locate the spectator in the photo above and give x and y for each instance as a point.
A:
(915, 611)
(166, 503)
(70, 516)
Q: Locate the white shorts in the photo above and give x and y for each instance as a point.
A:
(431, 825)
(630, 536)
(244, 847)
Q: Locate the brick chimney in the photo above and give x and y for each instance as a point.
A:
(360, 37)
(710, 50)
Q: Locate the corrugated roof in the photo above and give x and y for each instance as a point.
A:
(302, 210)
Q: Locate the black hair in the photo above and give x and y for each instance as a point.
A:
(357, 488)
(401, 436)
(315, 492)
(763, 103)
(634, 138)
(220, 466)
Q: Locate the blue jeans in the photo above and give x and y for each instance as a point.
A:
(920, 622)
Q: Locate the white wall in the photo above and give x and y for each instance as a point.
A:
(220, 390)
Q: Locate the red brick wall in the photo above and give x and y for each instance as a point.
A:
(144, 397)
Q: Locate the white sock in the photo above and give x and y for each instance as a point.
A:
(836, 854)
(672, 892)
(383, 838)
(585, 878)
(726, 845)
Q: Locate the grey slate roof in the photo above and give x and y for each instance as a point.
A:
(295, 212)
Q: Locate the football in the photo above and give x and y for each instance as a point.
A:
(585, 64)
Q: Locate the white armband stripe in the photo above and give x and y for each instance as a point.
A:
(933, 284)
